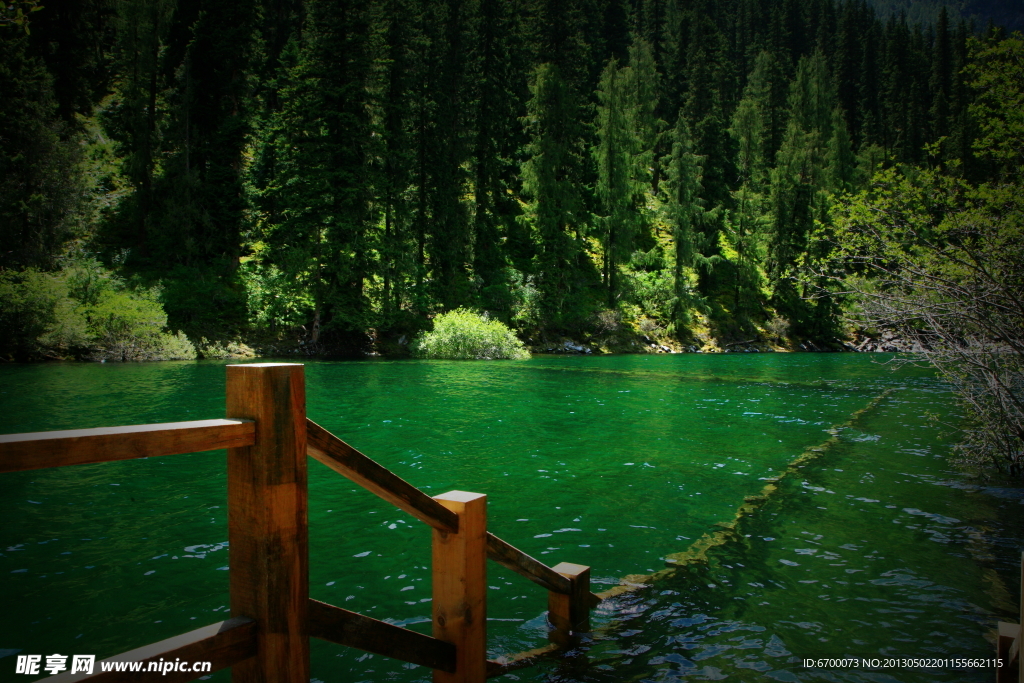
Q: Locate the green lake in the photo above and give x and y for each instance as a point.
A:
(876, 548)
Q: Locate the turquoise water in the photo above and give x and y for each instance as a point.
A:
(878, 547)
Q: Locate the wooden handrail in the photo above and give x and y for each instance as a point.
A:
(37, 450)
(507, 555)
(267, 491)
(337, 625)
(222, 644)
(327, 448)
(377, 479)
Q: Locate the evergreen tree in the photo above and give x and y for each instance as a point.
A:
(940, 84)
(135, 116)
(324, 185)
(501, 92)
(617, 145)
(703, 110)
(556, 210)
(199, 198)
(685, 213)
(758, 122)
(40, 179)
(799, 177)
(449, 242)
(394, 157)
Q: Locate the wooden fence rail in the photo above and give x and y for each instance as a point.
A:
(266, 640)
(360, 469)
(37, 450)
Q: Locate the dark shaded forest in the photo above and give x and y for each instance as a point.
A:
(330, 174)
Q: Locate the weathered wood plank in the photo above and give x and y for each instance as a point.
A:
(337, 625)
(459, 579)
(36, 450)
(222, 644)
(515, 559)
(379, 480)
(267, 520)
(509, 663)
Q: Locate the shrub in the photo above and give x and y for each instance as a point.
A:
(129, 326)
(84, 311)
(38, 316)
(465, 335)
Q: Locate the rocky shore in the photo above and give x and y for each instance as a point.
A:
(884, 343)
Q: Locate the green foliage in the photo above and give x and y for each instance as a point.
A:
(938, 260)
(553, 182)
(463, 334)
(40, 180)
(276, 302)
(130, 326)
(84, 311)
(998, 76)
(340, 171)
(39, 315)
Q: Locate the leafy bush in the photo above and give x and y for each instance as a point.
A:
(38, 316)
(466, 335)
(84, 311)
(130, 326)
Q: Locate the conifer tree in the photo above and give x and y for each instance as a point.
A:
(758, 122)
(40, 182)
(449, 241)
(685, 213)
(324, 182)
(617, 145)
(134, 116)
(501, 91)
(840, 161)
(197, 244)
(552, 183)
(798, 177)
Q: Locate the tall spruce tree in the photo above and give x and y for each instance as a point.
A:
(799, 176)
(556, 209)
(324, 179)
(613, 154)
(40, 179)
(501, 90)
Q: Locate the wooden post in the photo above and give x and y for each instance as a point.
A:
(267, 532)
(570, 613)
(1009, 640)
(460, 587)
(1005, 638)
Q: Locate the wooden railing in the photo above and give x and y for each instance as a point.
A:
(266, 640)
(1008, 643)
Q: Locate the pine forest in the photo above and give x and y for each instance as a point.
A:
(329, 175)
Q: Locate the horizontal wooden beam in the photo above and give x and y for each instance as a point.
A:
(36, 450)
(509, 663)
(375, 478)
(222, 644)
(337, 625)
